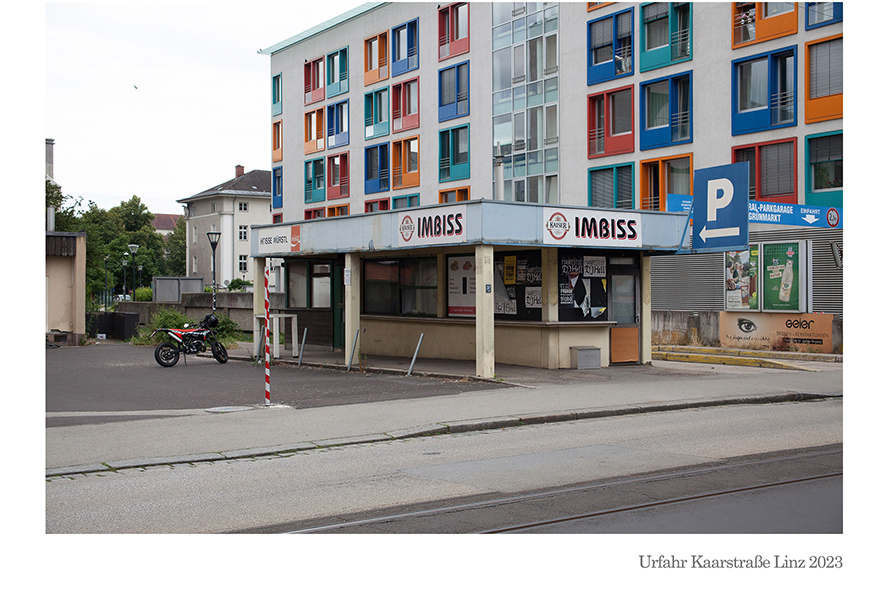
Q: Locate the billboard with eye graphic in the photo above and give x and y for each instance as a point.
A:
(803, 332)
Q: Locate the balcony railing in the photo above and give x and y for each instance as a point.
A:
(745, 25)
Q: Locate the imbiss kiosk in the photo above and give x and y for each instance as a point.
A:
(528, 284)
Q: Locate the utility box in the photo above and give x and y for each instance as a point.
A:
(584, 357)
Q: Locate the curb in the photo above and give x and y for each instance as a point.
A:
(434, 429)
(746, 361)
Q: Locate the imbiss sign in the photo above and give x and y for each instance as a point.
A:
(432, 227)
(592, 228)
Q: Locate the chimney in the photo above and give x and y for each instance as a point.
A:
(49, 157)
(239, 171)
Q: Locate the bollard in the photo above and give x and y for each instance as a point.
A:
(353, 349)
(302, 351)
(414, 356)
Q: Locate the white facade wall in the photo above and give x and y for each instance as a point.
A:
(711, 67)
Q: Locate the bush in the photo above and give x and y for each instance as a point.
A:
(164, 317)
(238, 284)
(143, 294)
(227, 330)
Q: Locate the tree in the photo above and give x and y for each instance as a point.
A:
(108, 236)
(65, 216)
(133, 214)
(177, 249)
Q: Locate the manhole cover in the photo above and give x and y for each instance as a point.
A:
(225, 409)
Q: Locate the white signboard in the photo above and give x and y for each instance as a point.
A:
(437, 226)
(278, 239)
(592, 228)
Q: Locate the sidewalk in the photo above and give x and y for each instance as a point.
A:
(522, 396)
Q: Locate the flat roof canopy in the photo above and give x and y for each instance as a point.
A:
(474, 222)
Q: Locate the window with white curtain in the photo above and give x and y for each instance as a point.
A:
(753, 85)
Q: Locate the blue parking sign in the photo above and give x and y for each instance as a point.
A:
(720, 208)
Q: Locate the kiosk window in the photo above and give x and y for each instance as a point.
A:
(582, 284)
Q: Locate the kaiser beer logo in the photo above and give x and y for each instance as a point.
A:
(558, 226)
(407, 228)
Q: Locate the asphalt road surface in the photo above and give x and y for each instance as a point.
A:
(120, 377)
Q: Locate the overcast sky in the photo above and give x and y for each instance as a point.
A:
(163, 100)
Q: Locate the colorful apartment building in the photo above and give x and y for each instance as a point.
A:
(508, 180)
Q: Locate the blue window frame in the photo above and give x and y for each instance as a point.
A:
(666, 111)
(401, 202)
(376, 105)
(824, 169)
(277, 195)
(455, 91)
(610, 47)
(764, 91)
(337, 127)
(337, 72)
(315, 181)
(820, 14)
(455, 153)
(405, 48)
(277, 94)
(376, 168)
(665, 34)
(611, 187)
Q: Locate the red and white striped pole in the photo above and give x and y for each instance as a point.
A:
(267, 341)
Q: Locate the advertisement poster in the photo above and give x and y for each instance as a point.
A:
(517, 292)
(742, 276)
(801, 332)
(782, 276)
(462, 286)
(582, 282)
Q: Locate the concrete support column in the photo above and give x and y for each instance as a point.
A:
(485, 320)
(352, 303)
(550, 302)
(645, 310)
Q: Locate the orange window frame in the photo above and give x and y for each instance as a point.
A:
(315, 130)
(822, 108)
(462, 194)
(342, 210)
(373, 73)
(766, 28)
(277, 141)
(645, 179)
(400, 163)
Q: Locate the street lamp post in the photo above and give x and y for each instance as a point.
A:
(124, 276)
(133, 248)
(213, 237)
(105, 299)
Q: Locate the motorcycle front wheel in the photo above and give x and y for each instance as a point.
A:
(220, 352)
(166, 354)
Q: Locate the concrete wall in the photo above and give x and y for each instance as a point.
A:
(235, 305)
(526, 344)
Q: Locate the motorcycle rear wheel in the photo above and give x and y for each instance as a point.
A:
(166, 354)
(220, 352)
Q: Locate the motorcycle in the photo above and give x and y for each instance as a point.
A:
(190, 341)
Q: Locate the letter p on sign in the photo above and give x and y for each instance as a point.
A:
(720, 193)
